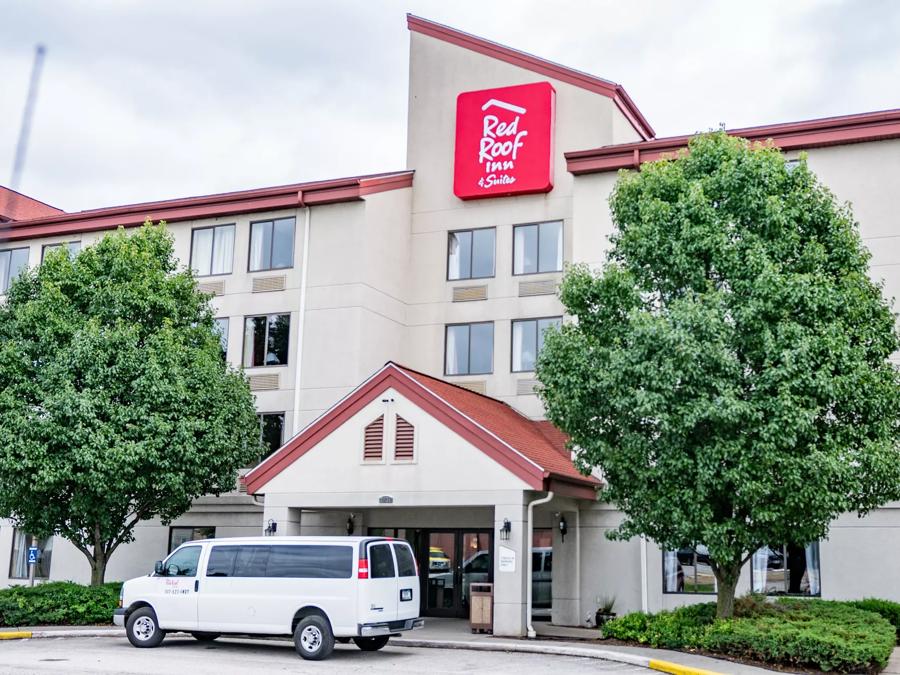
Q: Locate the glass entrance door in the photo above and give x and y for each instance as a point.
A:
(454, 559)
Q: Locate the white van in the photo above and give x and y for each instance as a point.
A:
(318, 589)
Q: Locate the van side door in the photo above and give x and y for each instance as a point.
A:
(407, 581)
(175, 603)
(379, 594)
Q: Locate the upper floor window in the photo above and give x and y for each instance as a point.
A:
(221, 326)
(12, 262)
(266, 340)
(470, 254)
(469, 349)
(538, 248)
(688, 570)
(786, 570)
(212, 250)
(271, 431)
(73, 247)
(528, 340)
(272, 244)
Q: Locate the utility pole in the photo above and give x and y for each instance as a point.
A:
(30, 101)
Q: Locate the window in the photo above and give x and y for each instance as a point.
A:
(311, 562)
(271, 431)
(405, 441)
(405, 561)
(183, 563)
(18, 561)
(469, 349)
(538, 248)
(272, 245)
(212, 250)
(470, 254)
(12, 262)
(786, 570)
(381, 562)
(73, 247)
(266, 340)
(688, 570)
(222, 330)
(179, 535)
(251, 561)
(528, 340)
(373, 440)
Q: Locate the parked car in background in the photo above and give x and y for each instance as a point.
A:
(541, 581)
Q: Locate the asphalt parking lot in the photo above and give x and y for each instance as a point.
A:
(185, 655)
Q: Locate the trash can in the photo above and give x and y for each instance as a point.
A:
(481, 608)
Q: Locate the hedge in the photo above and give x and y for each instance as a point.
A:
(887, 609)
(58, 603)
(799, 633)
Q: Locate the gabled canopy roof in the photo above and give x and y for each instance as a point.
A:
(16, 206)
(535, 451)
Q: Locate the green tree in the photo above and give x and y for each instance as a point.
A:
(115, 403)
(728, 367)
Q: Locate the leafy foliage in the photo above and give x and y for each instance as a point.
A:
(115, 403)
(829, 636)
(885, 608)
(728, 370)
(58, 603)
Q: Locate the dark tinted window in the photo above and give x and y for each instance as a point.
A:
(405, 562)
(251, 561)
(381, 562)
(311, 562)
(221, 561)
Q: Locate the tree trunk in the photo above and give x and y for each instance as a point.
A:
(98, 572)
(726, 578)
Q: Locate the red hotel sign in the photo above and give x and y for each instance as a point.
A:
(504, 141)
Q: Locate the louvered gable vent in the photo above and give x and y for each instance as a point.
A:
(404, 446)
(373, 444)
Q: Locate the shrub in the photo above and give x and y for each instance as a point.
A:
(58, 603)
(677, 629)
(887, 609)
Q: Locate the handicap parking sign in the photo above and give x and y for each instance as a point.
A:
(32, 555)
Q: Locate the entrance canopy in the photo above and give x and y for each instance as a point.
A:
(404, 432)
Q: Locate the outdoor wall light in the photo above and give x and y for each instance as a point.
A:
(271, 528)
(505, 529)
(563, 527)
(351, 524)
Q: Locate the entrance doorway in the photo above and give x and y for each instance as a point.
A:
(450, 560)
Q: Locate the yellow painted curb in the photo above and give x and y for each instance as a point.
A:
(678, 669)
(15, 635)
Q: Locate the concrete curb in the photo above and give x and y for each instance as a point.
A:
(558, 650)
(487, 646)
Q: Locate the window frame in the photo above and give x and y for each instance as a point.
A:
(193, 529)
(272, 245)
(512, 355)
(472, 230)
(223, 335)
(682, 592)
(212, 250)
(562, 227)
(287, 356)
(259, 416)
(60, 244)
(447, 328)
(784, 555)
(4, 283)
(41, 545)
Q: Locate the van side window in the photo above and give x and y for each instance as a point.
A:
(183, 563)
(311, 562)
(381, 562)
(251, 561)
(405, 562)
(221, 561)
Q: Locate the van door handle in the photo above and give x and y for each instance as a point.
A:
(196, 585)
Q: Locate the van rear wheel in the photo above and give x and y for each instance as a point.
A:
(313, 638)
(372, 644)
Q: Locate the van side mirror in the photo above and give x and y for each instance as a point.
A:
(158, 568)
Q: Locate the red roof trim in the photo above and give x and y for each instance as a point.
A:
(207, 206)
(392, 376)
(17, 206)
(818, 133)
(536, 65)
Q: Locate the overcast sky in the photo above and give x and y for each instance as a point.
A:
(158, 99)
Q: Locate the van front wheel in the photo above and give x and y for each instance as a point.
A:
(372, 644)
(142, 628)
(313, 638)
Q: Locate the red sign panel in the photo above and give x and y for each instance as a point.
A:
(504, 141)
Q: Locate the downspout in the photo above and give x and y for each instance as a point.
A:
(295, 428)
(529, 563)
(578, 559)
(645, 607)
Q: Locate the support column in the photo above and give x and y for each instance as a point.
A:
(510, 568)
(565, 611)
(287, 519)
